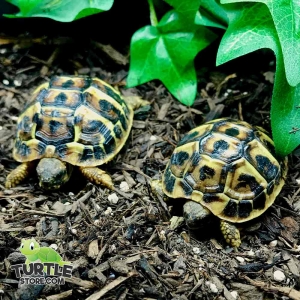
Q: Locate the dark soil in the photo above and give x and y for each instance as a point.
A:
(127, 248)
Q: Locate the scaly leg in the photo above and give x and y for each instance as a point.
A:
(230, 233)
(157, 189)
(97, 176)
(19, 174)
(135, 102)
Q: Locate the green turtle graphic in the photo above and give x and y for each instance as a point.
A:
(35, 253)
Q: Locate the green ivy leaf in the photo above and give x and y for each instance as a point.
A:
(186, 8)
(251, 28)
(212, 14)
(285, 115)
(167, 53)
(286, 17)
(59, 10)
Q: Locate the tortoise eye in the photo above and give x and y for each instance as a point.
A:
(31, 246)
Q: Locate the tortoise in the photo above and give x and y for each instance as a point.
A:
(71, 121)
(225, 168)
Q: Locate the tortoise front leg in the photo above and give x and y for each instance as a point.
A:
(230, 233)
(97, 176)
(19, 174)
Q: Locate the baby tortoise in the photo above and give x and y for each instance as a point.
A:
(225, 167)
(71, 121)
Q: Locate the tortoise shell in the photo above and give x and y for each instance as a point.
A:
(80, 120)
(228, 166)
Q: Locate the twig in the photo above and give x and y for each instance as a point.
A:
(290, 292)
(128, 210)
(38, 60)
(123, 295)
(60, 296)
(132, 168)
(240, 111)
(198, 284)
(86, 212)
(81, 200)
(110, 286)
(106, 245)
(15, 91)
(11, 229)
(121, 193)
(219, 87)
(45, 68)
(287, 210)
(22, 195)
(112, 53)
(42, 213)
(83, 283)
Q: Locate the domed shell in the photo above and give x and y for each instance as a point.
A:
(228, 166)
(80, 120)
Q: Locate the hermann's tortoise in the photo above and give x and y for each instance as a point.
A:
(71, 121)
(228, 168)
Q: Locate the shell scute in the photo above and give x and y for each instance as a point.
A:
(213, 201)
(222, 147)
(264, 162)
(181, 158)
(195, 134)
(208, 176)
(259, 202)
(52, 131)
(66, 99)
(108, 90)
(244, 182)
(235, 130)
(106, 106)
(26, 123)
(69, 83)
(29, 150)
(245, 208)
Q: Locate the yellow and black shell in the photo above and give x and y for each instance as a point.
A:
(228, 166)
(80, 120)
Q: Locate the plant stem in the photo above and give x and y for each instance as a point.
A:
(153, 17)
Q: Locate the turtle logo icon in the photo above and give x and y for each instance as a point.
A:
(43, 265)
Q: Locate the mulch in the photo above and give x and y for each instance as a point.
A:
(125, 247)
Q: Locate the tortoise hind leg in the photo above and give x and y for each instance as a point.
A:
(135, 102)
(19, 174)
(97, 176)
(157, 189)
(230, 233)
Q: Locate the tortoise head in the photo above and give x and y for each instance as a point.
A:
(53, 173)
(29, 246)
